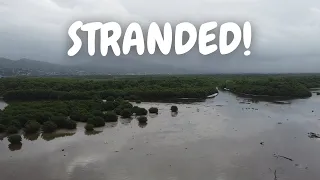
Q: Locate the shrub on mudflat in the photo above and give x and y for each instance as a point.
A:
(111, 117)
(89, 127)
(60, 121)
(70, 124)
(153, 110)
(32, 127)
(142, 119)
(97, 121)
(126, 113)
(15, 139)
(49, 127)
(174, 109)
(141, 112)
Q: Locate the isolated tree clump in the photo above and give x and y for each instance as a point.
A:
(141, 112)
(89, 127)
(174, 109)
(142, 119)
(153, 110)
(126, 113)
(15, 139)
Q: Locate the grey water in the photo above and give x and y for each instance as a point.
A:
(224, 138)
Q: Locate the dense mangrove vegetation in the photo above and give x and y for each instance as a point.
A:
(49, 116)
(151, 88)
(293, 86)
(131, 89)
(268, 87)
(48, 104)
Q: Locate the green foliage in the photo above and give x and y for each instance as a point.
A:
(268, 86)
(79, 99)
(79, 116)
(134, 109)
(12, 130)
(118, 111)
(138, 101)
(97, 121)
(141, 112)
(110, 98)
(125, 105)
(2, 128)
(147, 88)
(153, 110)
(60, 121)
(70, 124)
(142, 119)
(174, 109)
(63, 122)
(89, 127)
(97, 113)
(111, 117)
(32, 127)
(15, 139)
(108, 106)
(49, 127)
(126, 113)
(16, 124)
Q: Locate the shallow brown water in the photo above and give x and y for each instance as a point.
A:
(218, 139)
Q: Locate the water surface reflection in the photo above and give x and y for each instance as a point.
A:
(223, 138)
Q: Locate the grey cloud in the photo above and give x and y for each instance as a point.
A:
(286, 33)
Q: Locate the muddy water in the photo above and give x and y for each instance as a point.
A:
(224, 138)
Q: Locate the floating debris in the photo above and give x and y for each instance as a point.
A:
(281, 102)
(279, 156)
(313, 135)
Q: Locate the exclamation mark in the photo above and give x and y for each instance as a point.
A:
(247, 37)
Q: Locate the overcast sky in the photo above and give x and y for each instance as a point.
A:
(286, 32)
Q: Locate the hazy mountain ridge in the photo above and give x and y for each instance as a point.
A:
(27, 67)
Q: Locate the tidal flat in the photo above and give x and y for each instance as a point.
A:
(223, 138)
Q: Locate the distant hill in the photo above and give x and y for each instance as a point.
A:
(27, 67)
